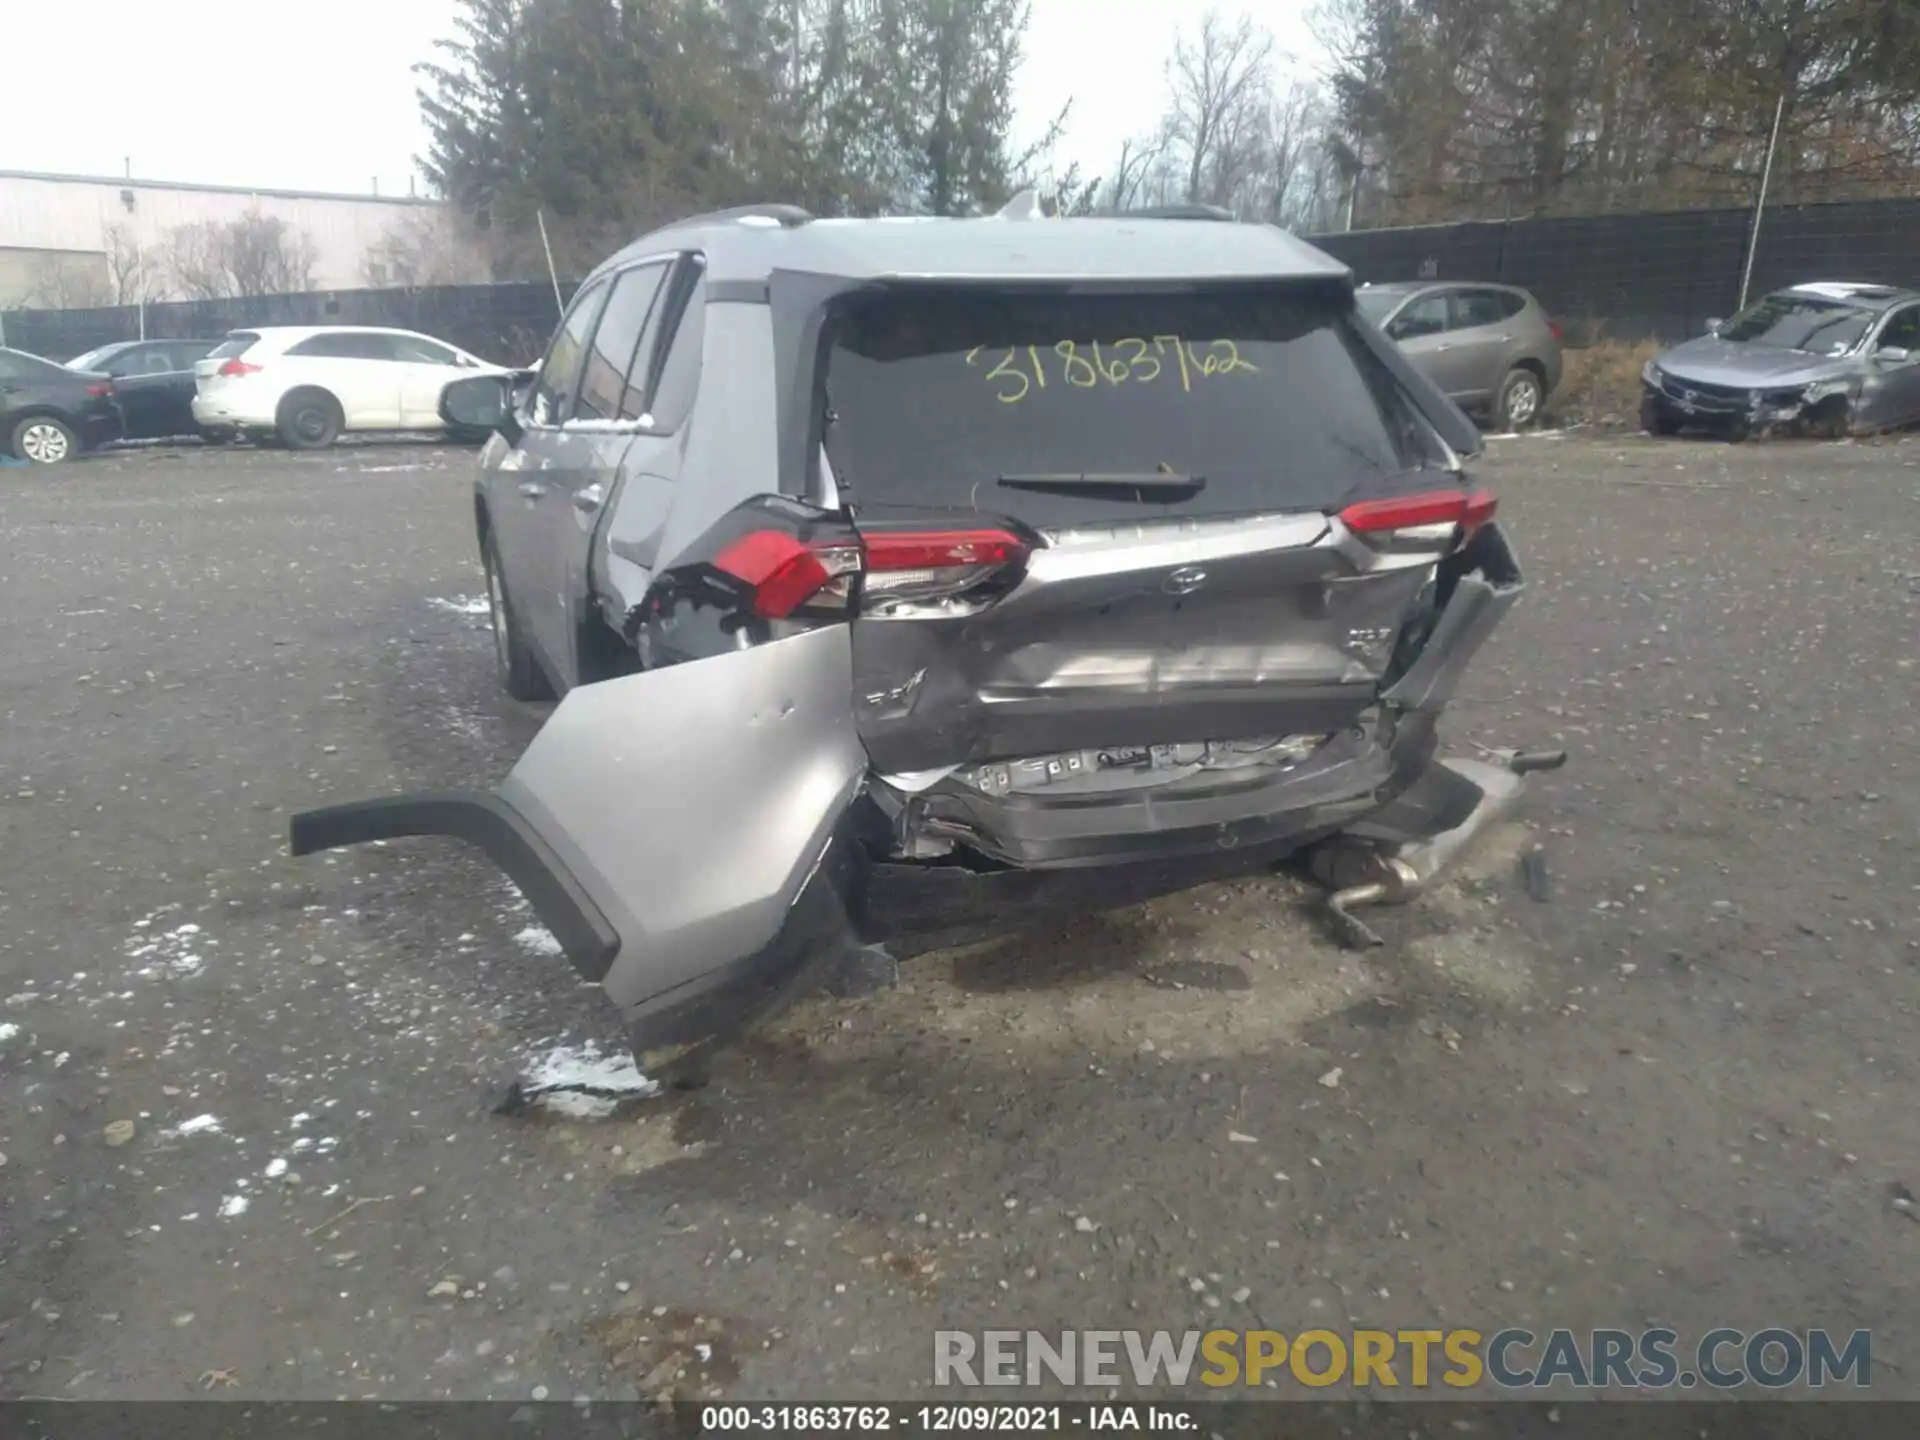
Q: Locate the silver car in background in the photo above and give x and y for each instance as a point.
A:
(1825, 359)
(1490, 347)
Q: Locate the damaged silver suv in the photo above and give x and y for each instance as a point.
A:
(909, 581)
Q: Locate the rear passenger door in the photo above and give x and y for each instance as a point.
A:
(357, 368)
(595, 444)
(154, 390)
(1481, 335)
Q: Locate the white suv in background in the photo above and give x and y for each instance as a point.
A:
(309, 384)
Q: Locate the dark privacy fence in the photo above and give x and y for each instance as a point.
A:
(508, 324)
(1660, 274)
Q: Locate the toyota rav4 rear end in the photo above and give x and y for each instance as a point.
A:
(1072, 589)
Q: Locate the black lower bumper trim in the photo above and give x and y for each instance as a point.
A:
(489, 823)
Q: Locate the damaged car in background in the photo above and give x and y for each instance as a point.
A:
(906, 583)
(1825, 359)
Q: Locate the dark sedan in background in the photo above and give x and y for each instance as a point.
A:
(1826, 358)
(1490, 347)
(50, 413)
(154, 382)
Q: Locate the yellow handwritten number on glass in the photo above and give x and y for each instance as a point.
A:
(1077, 370)
(1004, 370)
(1139, 358)
(1227, 363)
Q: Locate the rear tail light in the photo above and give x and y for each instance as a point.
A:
(785, 573)
(235, 368)
(1553, 328)
(100, 389)
(1434, 516)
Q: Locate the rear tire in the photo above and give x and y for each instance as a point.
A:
(1519, 400)
(309, 420)
(44, 440)
(1656, 419)
(520, 674)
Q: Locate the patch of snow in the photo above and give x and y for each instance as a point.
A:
(233, 1205)
(8, 1031)
(581, 1082)
(172, 954)
(198, 1125)
(276, 1167)
(537, 940)
(461, 605)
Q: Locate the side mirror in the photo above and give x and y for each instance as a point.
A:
(1893, 355)
(484, 402)
(1713, 326)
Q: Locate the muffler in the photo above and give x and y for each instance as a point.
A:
(1383, 876)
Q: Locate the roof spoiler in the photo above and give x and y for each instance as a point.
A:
(790, 217)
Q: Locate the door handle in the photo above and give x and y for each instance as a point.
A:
(532, 489)
(1503, 339)
(590, 499)
(1443, 345)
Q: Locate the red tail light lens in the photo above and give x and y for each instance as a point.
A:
(1432, 515)
(100, 389)
(237, 367)
(785, 573)
(1553, 327)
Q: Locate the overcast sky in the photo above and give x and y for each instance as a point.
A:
(318, 94)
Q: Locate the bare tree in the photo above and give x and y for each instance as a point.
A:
(253, 255)
(424, 249)
(265, 256)
(69, 282)
(133, 275)
(1130, 172)
(1220, 82)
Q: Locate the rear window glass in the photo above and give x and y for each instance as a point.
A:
(1271, 396)
(233, 345)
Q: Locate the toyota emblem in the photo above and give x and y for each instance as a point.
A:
(1184, 581)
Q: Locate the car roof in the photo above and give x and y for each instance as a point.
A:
(1866, 296)
(747, 247)
(284, 332)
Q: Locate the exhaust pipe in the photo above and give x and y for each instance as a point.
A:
(1411, 869)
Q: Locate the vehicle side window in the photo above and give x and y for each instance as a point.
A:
(1425, 316)
(552, 399)
(1903, 330)
(323, 347)
(614, 385)
(680, 372)
(154, 360)
(1472, 308)
(418, 350)
(1511, 304)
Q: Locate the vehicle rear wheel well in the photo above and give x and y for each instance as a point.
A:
(482, 525)
(1534, 368)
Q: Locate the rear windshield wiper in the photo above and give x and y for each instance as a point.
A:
(1147, 484)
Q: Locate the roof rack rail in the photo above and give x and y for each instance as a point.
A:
(1178, 212)
(790, 216)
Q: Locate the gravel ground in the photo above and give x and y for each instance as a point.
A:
(248, 1119)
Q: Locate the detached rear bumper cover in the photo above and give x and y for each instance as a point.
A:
(677, 830)
(486, 821)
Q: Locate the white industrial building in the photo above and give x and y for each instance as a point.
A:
(64, 239)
